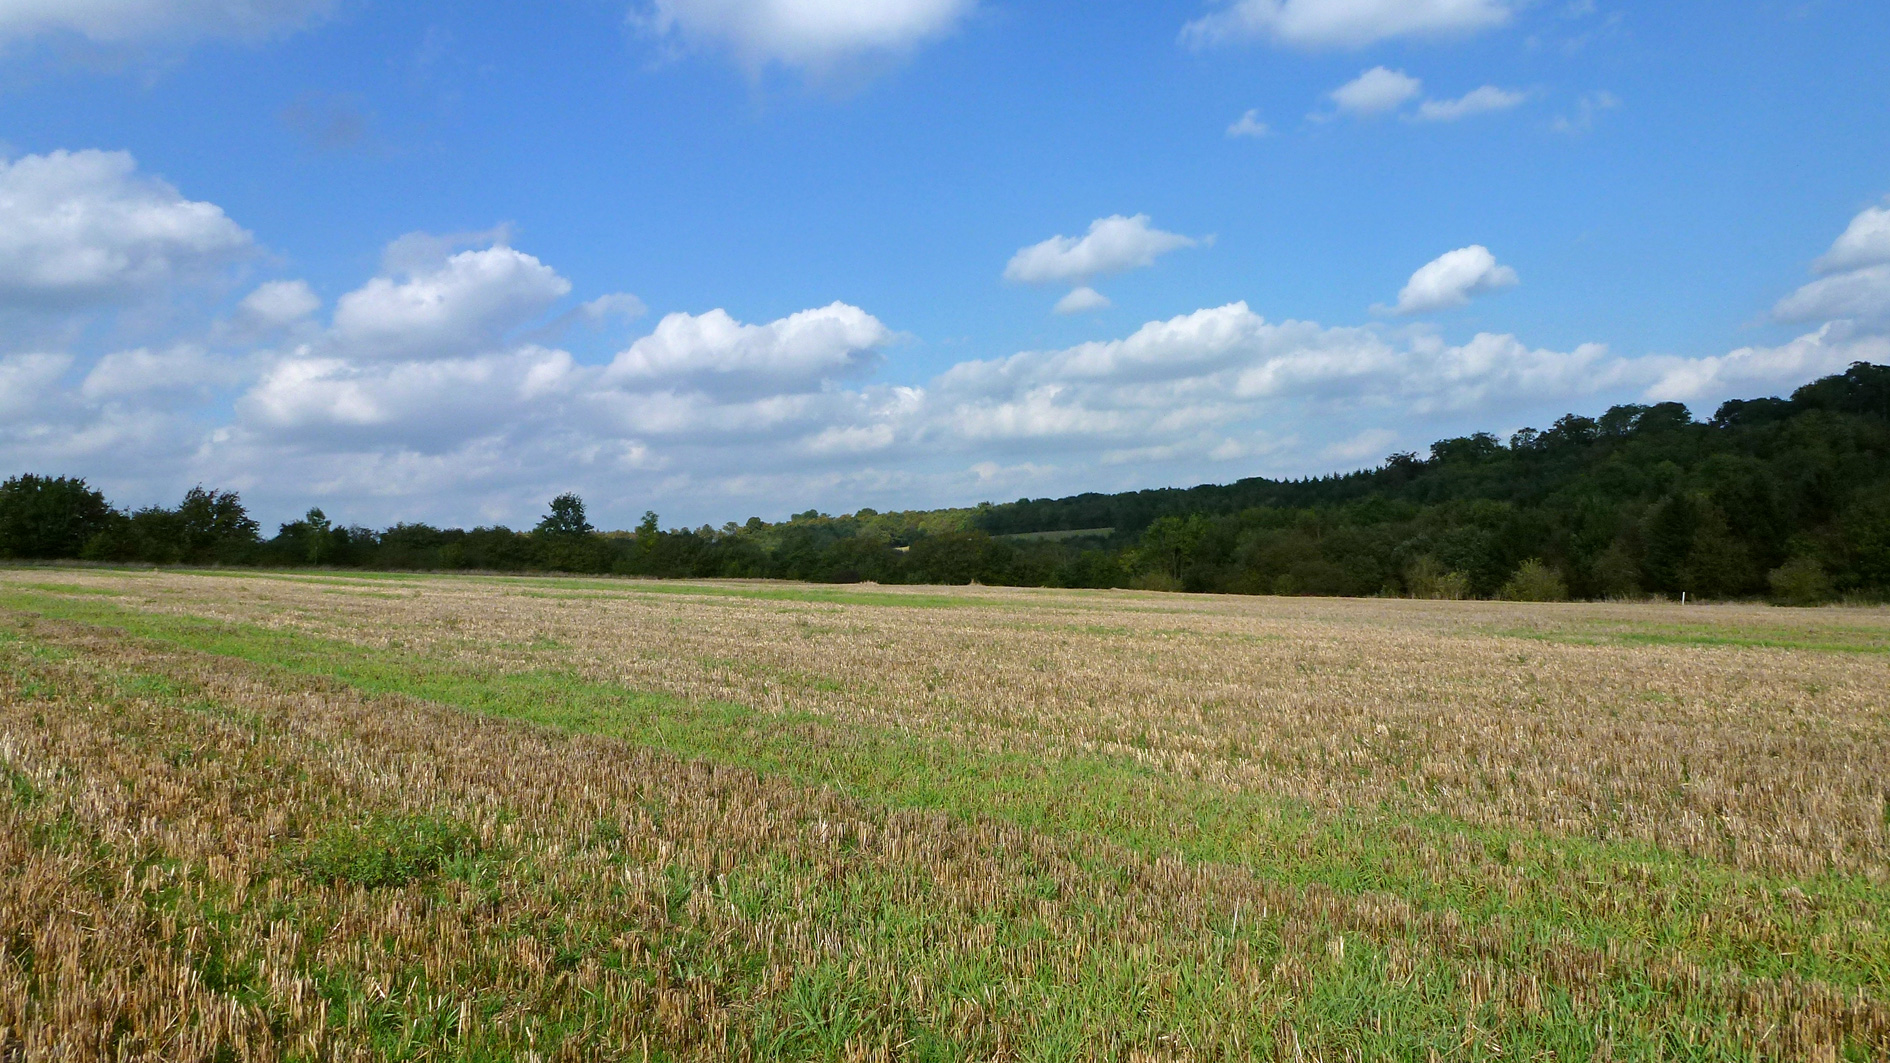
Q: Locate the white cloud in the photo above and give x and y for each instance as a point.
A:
(715, 352)
(184, 370)
(1865, 242)
(1376, 91)
(1857, 295)
(279, 303)
(1192, 381)
(1113, 245)
(618, 304)
(1477, 101)
(809, 34)
(1342, 23)
(1855, 285)
(126, 21)
(424, 252)
(1450, 279)
(422, 405)
(26, 379)
(85, 228)
(468, 302)
(1755, 370)
(1248, 125)
(1369, 445)
(1081, 301)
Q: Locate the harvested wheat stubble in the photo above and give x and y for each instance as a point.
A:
(1141, 825)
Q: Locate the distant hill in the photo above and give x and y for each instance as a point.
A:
(1531, 467)
(1641, 499)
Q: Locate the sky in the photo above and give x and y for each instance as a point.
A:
(440, 262)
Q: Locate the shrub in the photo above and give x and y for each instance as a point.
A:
(1427, 578)
(1800, 581)
(1535, 582)
(1163, 581)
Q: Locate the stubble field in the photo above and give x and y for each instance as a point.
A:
(314, 816)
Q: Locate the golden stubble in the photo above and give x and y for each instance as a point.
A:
(1767, 759)
(178, 806)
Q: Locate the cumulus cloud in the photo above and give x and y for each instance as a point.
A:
(617, 304)
(1865, 242)
(1477, 101)
(82, 228)
(1189, 381)
(425, 406)
(1450, 279)
(808, 34)
(1371, 444)
(1113, 245)
(468, 302)
(182, 371)
(280, 303)
(1342, 23)
(126, 21)
(26, 379)
(1376, 91)
(421, 252)
(1857, 295)
(1248, 125)
(1081, 301)
(1749, 370)
(1855, 281)
(715, 352)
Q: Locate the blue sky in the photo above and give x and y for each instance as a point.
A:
(724, 258)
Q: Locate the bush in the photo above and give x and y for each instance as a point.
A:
(1535, 582)
(1800, 581)
(1159, 581)
(1427, 578)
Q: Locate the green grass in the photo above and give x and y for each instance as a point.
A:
(1592, 890)
(1059, 536)
(1817, 639)
(383, 851)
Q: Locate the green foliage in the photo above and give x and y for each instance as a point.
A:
(384, 851)
(1535, 582)
(1800, 581)
(1427, 578)
(50, 516)
(213, 526)
(566, 519)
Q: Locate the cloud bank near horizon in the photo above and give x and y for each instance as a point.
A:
(438, 388)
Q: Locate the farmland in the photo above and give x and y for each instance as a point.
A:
(322, 816)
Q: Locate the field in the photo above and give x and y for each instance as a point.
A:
(310, 816)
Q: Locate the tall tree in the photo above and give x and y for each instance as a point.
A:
(49, 516)
(566, 518)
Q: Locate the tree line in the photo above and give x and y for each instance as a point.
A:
(1787, 498)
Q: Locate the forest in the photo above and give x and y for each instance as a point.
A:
(1783, 498)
